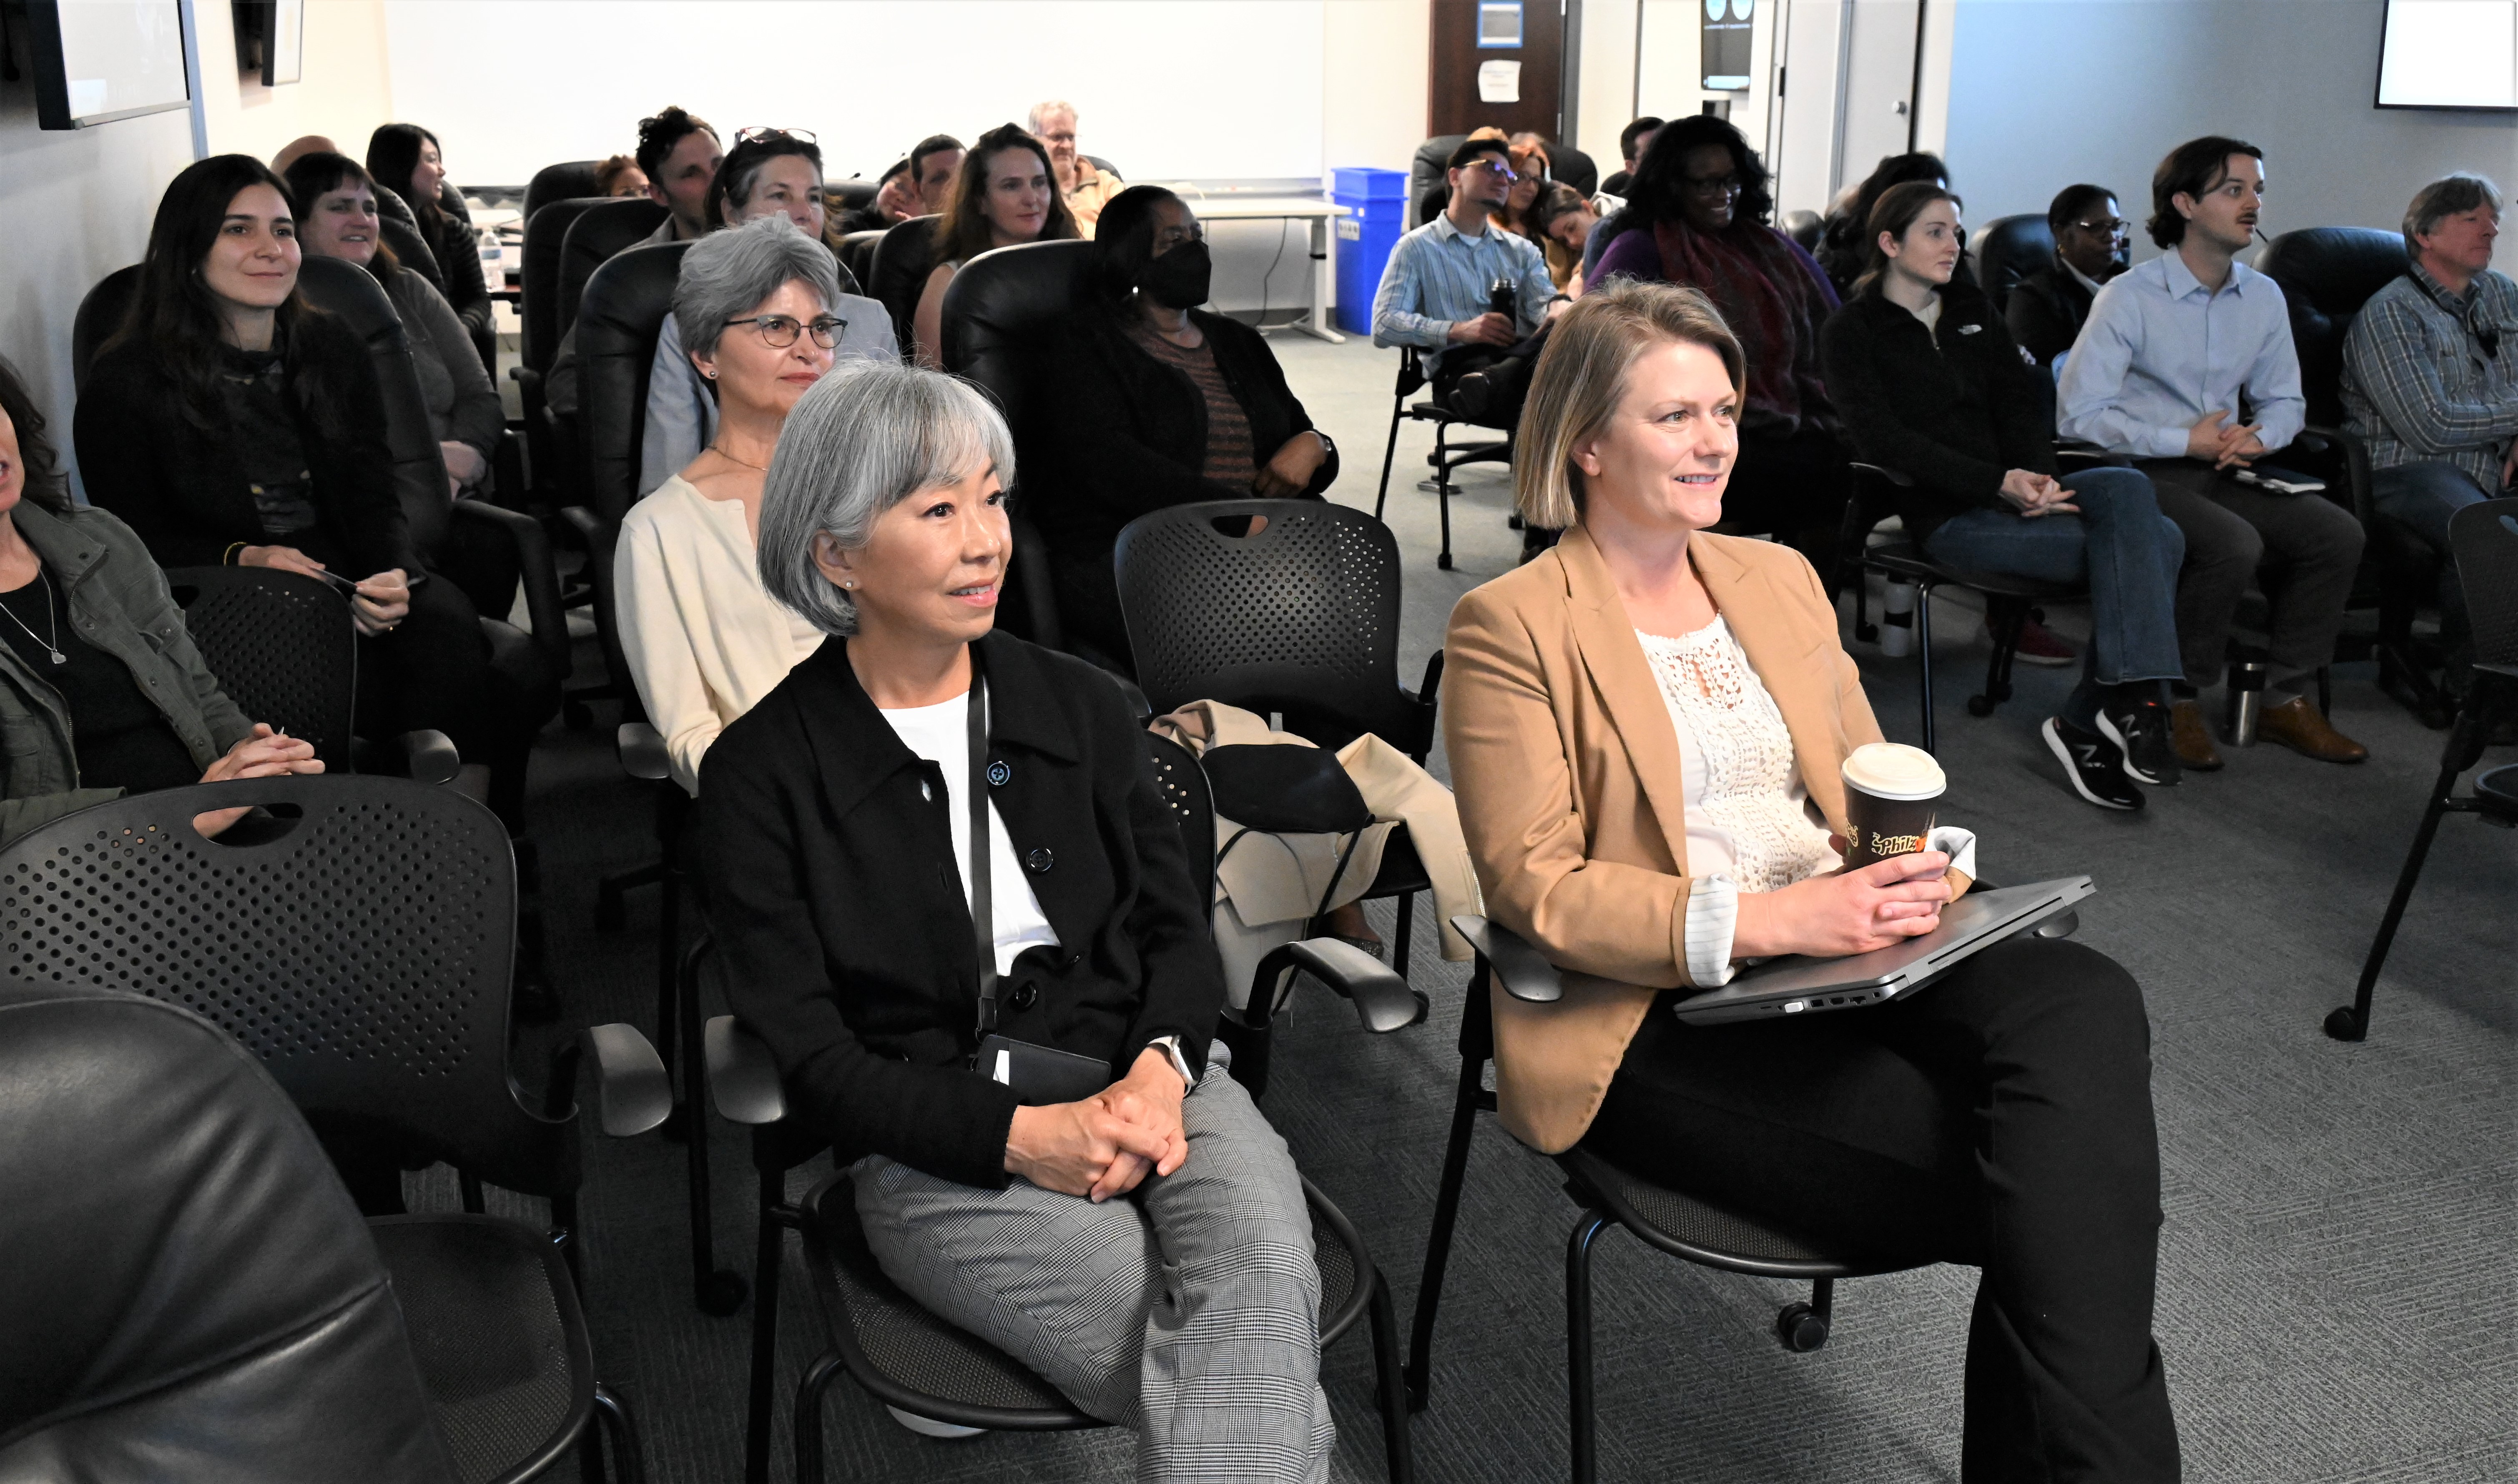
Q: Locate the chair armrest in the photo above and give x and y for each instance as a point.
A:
(1902, 481)
(743, 1080)
(642, 751)
(423, 757)
(541, 575)
(1383, 1002)
(632, 1091)
(1524, 974)
(1138, 706)
(1431, 686)
(2352, 451)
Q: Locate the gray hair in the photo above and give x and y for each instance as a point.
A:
(726, 273)
(2445, 197)
(860, 441)
(1041, 113)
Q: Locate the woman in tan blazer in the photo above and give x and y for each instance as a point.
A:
(1645, 726)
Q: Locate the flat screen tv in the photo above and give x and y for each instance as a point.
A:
(97, 60)
(2449, 54)
(271, 39)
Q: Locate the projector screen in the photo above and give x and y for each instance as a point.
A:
(2449, 54)
(1201, 90)
(96, 60)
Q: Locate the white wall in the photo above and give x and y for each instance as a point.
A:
(2046, 93)
(348, 89)
(1373, 57)
(1606, 65)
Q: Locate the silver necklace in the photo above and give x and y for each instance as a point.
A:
(52, 646)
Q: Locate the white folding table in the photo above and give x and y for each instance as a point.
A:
(1226, 206)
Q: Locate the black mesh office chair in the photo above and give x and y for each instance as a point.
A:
(196, 1293)
(897, 275)
(993, 310)
(567, 179)
(362, 950)
(1301, 618)
(2484, 540)
(2327, 273)
(2007, 250)
(910, 1360)
(1675, 1223)
(1446, 457)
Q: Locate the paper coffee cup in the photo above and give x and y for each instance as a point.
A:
(1891, 794)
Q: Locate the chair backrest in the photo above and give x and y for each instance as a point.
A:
(560, 183)
(100, 315)
(412, 250)
(281, 647)
(849, 195)
(1573, 168)
(1300, 619)
(545, 237)
(903, 260)
(856, 255)
(189, 1287)
(1000, 303)
(1182, 779)
(352, 295)
(1428, 170)
(2327, 273)
(1805, 227)
(1105, 166)
(362, 953)
(2008, 250)
(2483, 538)
(601, 231)
(617, 324)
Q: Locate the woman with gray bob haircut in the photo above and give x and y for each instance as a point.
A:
(956, 908)
(703, 640)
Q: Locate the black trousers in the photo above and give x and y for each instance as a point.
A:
(2000, 1119)
(433, 670)
(1793, 487)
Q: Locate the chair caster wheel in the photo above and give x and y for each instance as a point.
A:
(1801, 1327)
(577, 715)
(1868, 633)
(1980, 705)
(722, 1293)
(2000, 693)
(1444, 561)
(2344, 1023)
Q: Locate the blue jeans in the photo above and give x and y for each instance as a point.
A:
(2120, 545)
(2420, 498)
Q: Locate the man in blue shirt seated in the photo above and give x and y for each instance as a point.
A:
(2430, 379)
(1437, 290)
(2159, 371)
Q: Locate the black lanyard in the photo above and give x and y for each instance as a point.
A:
(983, 922)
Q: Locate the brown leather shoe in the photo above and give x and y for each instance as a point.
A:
(2191, 738)
(2298, 725)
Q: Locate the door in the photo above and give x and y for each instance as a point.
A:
(1879, 110)
(1495, 61)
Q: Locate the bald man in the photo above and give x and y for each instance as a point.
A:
(298, 149)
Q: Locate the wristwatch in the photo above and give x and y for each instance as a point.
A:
(1170, 1046)
(1327, 443)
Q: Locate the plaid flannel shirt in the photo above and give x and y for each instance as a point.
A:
(2418, 384)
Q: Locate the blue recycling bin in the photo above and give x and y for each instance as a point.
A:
(1377, 203)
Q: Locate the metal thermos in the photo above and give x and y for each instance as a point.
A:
(1505, 298)
(1898, 621)
(2246, 686)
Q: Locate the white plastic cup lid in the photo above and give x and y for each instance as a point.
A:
(1895, 771)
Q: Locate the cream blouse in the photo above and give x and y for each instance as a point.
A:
(704, 639)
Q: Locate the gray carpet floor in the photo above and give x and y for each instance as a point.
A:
(2337, 1300)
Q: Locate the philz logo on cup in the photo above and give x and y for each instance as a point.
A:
(1891, 794)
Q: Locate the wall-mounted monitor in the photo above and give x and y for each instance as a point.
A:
(271, 39)
(2449, 54)
(97, 60)
(1724, 44)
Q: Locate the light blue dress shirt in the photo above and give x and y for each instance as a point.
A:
(1439, 275)
(681, 416)
(2160, 350)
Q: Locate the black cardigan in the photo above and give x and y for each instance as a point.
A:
(181, 488)
(2046, 311)
(827, 854)
(1115, 434)
(1953, 418)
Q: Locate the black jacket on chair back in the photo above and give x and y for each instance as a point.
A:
(186, 1291)
(1953, 409)
(827, 850)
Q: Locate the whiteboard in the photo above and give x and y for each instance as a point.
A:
(1187, 88)
(2449, 54)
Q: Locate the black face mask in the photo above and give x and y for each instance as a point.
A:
(1178, 279)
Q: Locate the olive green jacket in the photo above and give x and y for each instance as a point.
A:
(119, 601)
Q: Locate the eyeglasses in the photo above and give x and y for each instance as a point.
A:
(779, 332)
(1712, 184)
(761, 131)
(2113, 226)
(1496, 168)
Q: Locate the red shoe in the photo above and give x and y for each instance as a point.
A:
(2038, 646)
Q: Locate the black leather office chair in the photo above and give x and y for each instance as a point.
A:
(1105, 166)
(846, 195)
(364, 959)
(567, 179)
(550, 446)
(1805, 227)
(601, 230)
(2484, 540)
(2327, 273)
(1572, 167)
(994, 309)
(2007, 250)
(190, 1291)
(856, 256)
(412, 250)
(901, 262)
(1427, 170)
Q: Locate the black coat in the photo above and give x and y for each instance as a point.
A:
(1954, 417)
(2046, 311)
(182, 488)
(827, 853)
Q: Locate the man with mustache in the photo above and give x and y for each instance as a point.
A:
(2157, 373)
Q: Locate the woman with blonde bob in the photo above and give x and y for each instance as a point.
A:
(1645, 727)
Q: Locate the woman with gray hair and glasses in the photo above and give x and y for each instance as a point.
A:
(993, 1090)
(704, 641)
